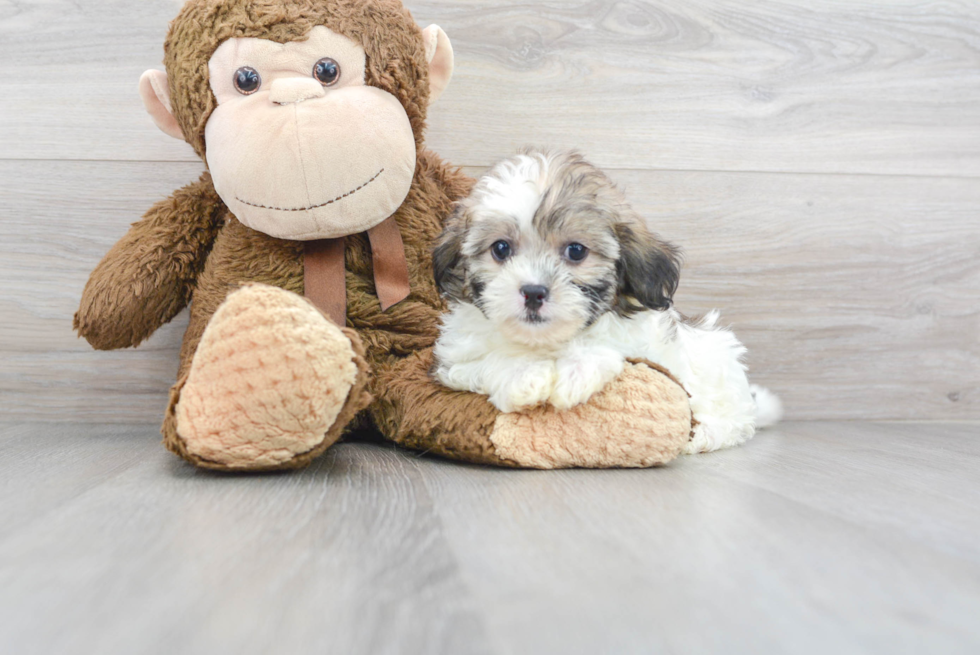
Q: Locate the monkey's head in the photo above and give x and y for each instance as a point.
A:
(308, 113)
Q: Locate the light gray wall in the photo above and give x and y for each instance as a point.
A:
(818, 161)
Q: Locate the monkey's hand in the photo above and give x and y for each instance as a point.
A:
(147, 277)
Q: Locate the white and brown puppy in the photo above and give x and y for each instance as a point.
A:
(554, 281)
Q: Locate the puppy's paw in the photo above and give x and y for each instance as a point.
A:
(525, 386)
(581, 377)
(572, 391)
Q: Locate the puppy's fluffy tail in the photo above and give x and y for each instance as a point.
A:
(768, 406)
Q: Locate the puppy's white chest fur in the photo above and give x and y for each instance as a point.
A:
(473, 354)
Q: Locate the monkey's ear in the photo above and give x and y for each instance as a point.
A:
(155, 92)
(439, 53)
(648, 269)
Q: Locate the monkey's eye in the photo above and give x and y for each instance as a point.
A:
(500, 250)
(327, 71)
(247, 80)
(576, 252)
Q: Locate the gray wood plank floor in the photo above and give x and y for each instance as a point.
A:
(822, 537)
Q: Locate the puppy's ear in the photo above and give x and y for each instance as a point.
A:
(447, 257)
(648, 270)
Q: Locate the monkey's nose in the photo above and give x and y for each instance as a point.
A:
(290, 90)
(534, 295)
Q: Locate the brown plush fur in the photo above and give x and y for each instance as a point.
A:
(191, 247)
(191, 244)
(453, 424)
(149, 275)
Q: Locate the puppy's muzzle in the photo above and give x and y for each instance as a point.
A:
(534, 295)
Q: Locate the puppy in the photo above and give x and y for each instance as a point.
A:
(554, 281)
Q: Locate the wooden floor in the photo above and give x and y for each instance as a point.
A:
(823, 537)
(819, 163)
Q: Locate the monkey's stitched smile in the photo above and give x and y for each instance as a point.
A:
(322, 204)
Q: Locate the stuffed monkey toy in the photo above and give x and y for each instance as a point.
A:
(304, 252)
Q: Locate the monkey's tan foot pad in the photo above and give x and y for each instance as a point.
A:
(272, 384)
(641, 419)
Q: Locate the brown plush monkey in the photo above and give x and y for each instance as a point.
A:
(310, 115)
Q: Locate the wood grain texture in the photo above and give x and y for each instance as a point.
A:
(790, 544)
(157, 557)
(869, 86)
(812, 538)
(818, 163)
(57, 220)
(858, 296)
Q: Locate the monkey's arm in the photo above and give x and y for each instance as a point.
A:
(641, 418)
(146, 278)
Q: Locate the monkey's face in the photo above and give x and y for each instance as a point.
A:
(299, 147)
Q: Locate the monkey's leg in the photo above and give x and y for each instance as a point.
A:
(272, 385)
(643, 418)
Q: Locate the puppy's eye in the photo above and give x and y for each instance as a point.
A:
(500, 250)
(576, 252)
(327, 71)
(247, 80)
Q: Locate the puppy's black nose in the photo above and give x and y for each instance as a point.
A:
(534, 295)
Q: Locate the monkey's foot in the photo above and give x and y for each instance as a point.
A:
(272, 385)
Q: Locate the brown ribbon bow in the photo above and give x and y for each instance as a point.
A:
(323, 270)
